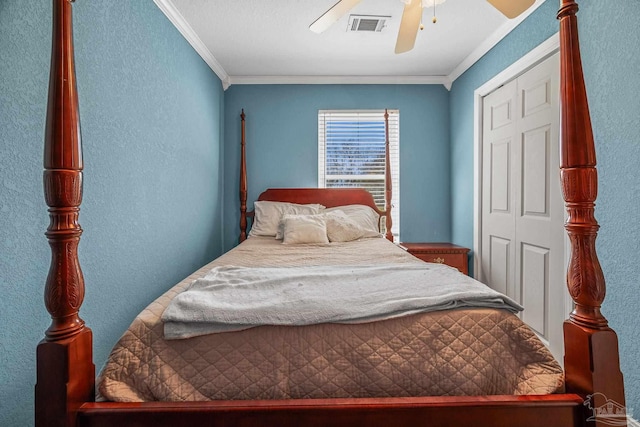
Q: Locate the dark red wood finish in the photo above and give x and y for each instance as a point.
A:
(243, 179)
(592, 365)
(388, 183)
(440, 253)
(328, 197)
(483, 411)
(65, 371)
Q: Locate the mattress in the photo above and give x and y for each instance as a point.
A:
(467, 351)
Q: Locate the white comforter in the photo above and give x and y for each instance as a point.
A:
(233, 298)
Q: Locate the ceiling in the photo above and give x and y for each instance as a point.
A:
(252, 41)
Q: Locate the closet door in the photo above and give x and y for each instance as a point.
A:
(523, 212)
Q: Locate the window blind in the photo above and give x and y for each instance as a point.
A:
(351, 153)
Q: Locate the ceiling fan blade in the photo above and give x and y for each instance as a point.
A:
(332, 15)
(511, 8)
(409, 25)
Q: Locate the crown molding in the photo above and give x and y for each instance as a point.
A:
(323, 80)
(491, 41)
(176, 18)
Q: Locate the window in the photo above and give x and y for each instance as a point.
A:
(351, 153)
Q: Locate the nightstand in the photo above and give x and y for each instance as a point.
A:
(441, 253)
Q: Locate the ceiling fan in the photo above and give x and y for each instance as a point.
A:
(411, 17)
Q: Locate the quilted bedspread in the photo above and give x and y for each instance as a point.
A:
(453, 352)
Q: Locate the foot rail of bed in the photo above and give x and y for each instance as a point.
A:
(559, 410)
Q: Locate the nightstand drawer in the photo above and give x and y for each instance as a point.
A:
(440, 253)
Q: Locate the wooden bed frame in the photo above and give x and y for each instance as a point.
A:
(64, 394)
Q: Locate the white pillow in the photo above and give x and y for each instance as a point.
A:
(294, 209)
(304, 229)
(366, 218)
(268, 214)
(341, 228)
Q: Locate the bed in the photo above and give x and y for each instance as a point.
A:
(65, 389)
(461, 351)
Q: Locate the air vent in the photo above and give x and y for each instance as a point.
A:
(367, 23)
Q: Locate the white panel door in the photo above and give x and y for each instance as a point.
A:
(522, 208)
(498, 203)
(540, 284)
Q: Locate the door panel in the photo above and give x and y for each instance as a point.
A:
(534, 287)
(502, 113)
(537, 97)
(535, 172)
(498, 210)
(499, 260)
(500, 172)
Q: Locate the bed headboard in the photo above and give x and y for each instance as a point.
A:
(328, 197)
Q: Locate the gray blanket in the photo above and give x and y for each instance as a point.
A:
(234, 298)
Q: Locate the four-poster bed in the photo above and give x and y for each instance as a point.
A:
(66, 375)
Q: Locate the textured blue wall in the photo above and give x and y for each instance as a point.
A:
(282, 146)
(610, 42)
(152, 124)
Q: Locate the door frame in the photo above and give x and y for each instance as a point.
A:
(543, 51)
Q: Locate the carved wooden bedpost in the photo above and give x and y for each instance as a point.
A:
(243, 180)
(65, 377)
(388, 184)
(591, 347)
